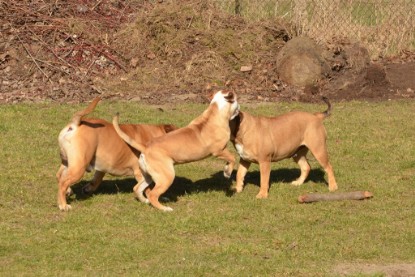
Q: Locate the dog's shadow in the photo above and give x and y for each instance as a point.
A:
(216, 182)
(286, 175)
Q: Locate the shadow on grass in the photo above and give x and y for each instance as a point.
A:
(216, 182)
(286, 175)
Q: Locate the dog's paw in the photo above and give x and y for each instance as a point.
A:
(141, 198)
(65, 208)
(88, 189)
(227, 174)
(332, 188)
(296, 183)
(237, 189)
(261, 195)
(69, 192)
(227, 171)
(166, 209)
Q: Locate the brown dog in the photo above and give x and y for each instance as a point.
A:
(206, 135)
(87, 144)
(264, 140)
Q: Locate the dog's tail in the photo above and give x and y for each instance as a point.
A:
(326, 113)
(140, 147)
(77, 117)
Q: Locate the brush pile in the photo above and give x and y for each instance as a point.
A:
(161, 51)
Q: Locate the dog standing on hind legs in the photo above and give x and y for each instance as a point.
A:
(206, 135)
(88, 144)
(263, 140)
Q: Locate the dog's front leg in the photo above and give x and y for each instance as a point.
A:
(265, 171)
(240, 175)
(226, 155)
(95, 182)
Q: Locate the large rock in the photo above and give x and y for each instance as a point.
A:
(301, 62)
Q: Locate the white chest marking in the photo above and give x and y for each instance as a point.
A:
(240, 150)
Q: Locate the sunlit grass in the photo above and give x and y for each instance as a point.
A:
(211, 232)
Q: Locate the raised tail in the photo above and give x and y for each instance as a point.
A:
(77, 117)
(327, 112)
(138, 146)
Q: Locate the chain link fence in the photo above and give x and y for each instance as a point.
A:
(384, 27)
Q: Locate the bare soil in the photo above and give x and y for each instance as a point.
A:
(390, 270)
(171, 51)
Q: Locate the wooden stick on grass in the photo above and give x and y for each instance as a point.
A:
(354, 195)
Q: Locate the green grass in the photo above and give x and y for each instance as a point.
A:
(210, 232)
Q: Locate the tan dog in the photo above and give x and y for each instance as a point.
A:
(206, 135)
(264, 140)
(87, 144)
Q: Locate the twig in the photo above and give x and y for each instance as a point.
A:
(96, 5)
(51, 50)
(34, 60)
(113, 60)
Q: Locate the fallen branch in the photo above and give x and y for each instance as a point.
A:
(354, 195)
(34, 60)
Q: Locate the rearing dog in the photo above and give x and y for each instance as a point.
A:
(264, 140)
(87, 144)
(206, 135)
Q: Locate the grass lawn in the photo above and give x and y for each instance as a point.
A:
(211, 231)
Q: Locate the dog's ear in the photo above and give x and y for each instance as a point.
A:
(208, 96)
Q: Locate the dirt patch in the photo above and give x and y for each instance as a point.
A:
(391, 270)
(171, 51)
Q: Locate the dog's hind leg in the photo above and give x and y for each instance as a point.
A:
(139, 190)
(300, 157)
(319, 151)
(67, 178)
(240, 174)
(143, 186)
(95, 182)
(163, 179)
(61, 171)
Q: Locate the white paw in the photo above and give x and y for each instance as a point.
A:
(226, 172)
(69, 192)
(65, 207)
(227, 175)
(296, 183)
(167, 209)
